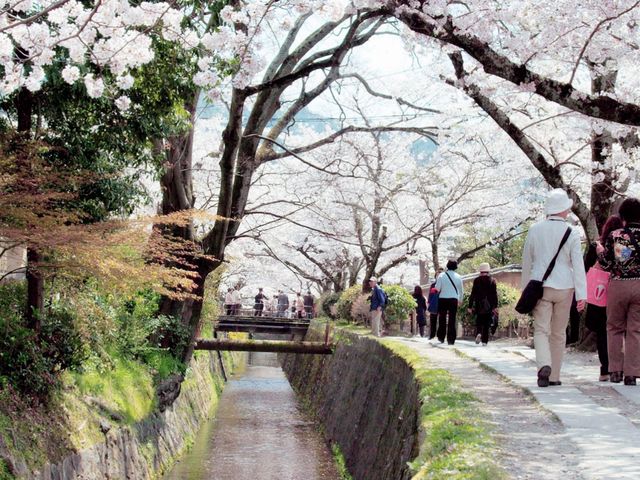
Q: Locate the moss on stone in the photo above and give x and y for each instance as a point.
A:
(5, 474)
(341, 463)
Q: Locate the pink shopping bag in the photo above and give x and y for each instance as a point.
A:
(597, 286)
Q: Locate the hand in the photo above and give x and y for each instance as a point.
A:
(581, 304)
(379, 309)
(470, 311)
(599, 247)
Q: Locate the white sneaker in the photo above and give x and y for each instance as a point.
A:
(478, 338)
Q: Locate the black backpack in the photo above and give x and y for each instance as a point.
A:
(386, 298)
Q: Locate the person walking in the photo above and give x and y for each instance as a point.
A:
(483, 302)
(596, 317)
(258, 303)
(283, 304)
(377, 306)
(553, 245)
(432, 306)
(236, 299)
(299, 304)
(421, 309)
(450, 294)
(621, 256)
(309, 302)
(228, 301)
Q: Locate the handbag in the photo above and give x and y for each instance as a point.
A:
(597, 286)
(532, 293)
(495, 320)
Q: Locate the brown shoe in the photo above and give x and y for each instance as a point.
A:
(543, 376)
(615, 377)
(604, 378)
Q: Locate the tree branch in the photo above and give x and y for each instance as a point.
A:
(562, 93)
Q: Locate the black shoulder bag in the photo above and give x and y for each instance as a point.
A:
(532, 293)
(454, 285)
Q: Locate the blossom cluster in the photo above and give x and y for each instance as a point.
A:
(101, 44)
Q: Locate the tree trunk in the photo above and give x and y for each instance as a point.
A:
(177, 196)
(35, 290)
(35, 280)
(603, 194)
(192, 311)
(434, 255)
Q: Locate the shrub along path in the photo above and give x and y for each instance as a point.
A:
(584, 429)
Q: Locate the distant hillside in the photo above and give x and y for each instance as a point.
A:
(422, 148)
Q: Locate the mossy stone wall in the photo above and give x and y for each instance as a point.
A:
(367, 401)
(150, 447)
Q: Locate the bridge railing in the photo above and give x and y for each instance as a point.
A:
(244, 311)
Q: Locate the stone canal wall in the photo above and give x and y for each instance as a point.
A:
(148, 448)
(367, 401)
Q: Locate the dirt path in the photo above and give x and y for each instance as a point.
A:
(532, 442)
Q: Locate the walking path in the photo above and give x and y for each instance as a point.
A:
(598, 434)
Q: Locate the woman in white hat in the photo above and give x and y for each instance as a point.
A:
(483, 302)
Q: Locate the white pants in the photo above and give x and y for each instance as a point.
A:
(551, 316)
(376, 323)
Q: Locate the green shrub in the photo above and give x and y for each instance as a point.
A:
(136, 323)
(325, 303)
(30, 363)
(60, 341)
(13, 297)
(344, 304)
(5, 473)
(171, 333)
(401, 303)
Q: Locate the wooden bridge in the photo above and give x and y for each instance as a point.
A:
(296, 328)
(252, 324)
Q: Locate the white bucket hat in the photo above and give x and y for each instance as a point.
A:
(373, 279)
(557, 201)
(484, 267)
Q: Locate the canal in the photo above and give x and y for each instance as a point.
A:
(259, 431)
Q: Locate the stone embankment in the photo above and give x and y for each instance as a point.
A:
(145, 450)
(367, 401)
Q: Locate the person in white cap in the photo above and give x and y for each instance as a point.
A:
(483, 302)
(546, 239)
(377, 305)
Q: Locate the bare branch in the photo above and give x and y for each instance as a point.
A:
(374, 93)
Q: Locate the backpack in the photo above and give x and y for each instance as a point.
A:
(386, 298)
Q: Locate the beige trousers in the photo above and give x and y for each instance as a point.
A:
(376, 323)
(551, 316)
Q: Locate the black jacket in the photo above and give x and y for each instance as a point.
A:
(484, 287)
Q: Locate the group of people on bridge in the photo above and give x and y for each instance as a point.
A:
(554, 279)
(302, 306)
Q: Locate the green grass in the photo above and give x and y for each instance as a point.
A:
(340, 462)
(5, 474)
(457, 440)
(128, 386)
(163, 364)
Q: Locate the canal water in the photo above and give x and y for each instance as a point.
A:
(259, 432)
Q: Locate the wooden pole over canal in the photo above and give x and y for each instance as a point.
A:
(265, 346)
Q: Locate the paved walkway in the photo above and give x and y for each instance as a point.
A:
(600, 418)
